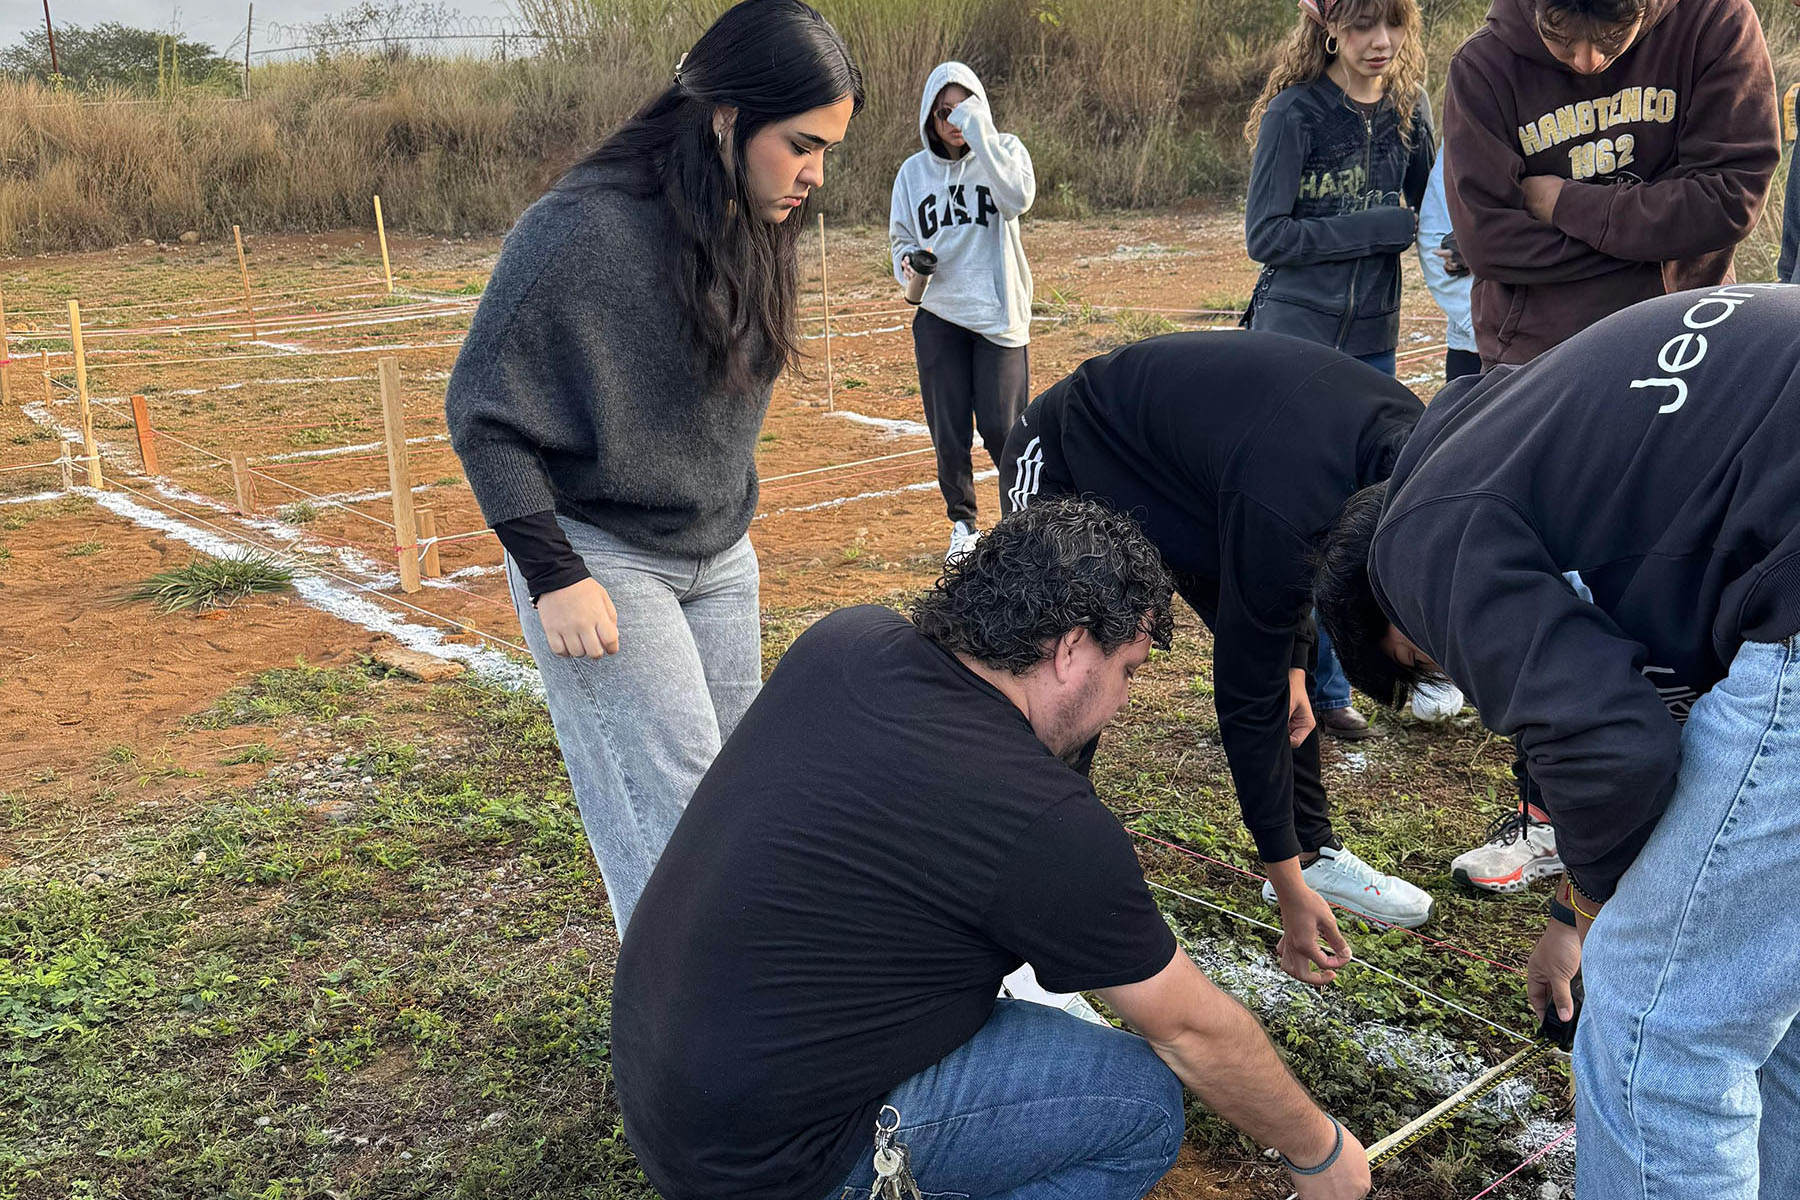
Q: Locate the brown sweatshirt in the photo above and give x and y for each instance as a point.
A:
(1669, 151)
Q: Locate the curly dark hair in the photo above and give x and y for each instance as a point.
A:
(1060, 564)
(1347, 606)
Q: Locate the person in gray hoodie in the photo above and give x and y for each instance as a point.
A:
(961, 198)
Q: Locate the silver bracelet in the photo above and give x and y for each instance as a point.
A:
(1330, 1159)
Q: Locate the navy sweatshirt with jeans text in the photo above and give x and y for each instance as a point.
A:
(1654, 456)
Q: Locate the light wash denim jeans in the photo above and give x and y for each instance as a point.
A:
(1687, 1059)
(1038, 1105)
(1329, 687)
(639, 728)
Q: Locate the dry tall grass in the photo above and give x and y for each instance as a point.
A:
(1124, 103)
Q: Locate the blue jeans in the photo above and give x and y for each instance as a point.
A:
(1687, 1059)
(1039, 1105)
(1385, 362)
(1330, 689)
(639, 728)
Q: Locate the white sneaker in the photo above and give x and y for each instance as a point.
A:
(1023, 984)
(1436, 700)
(963, 536)
(1348, 882)
(1519, 851)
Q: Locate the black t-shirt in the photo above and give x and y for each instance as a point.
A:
(879, 843)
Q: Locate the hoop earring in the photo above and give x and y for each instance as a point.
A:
(1331, 43)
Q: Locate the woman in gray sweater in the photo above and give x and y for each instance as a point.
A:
(606, 406)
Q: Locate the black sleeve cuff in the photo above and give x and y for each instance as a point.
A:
(1595, 888)
(542, 551)
(1306, 640)
(1276, 843)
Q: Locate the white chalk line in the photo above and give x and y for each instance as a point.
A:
(841, 500)
(332, 599)
(284, 381)
(893, 427)
(332, 451)
(322, 595)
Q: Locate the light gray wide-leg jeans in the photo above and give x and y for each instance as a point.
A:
(639, 728)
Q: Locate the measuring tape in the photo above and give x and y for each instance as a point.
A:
(1410, 1134)
(1790, 114)
(1555, 1034)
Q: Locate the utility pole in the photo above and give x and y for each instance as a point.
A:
(50, 32)
(249, 24)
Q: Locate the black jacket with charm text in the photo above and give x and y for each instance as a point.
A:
(1334, 193)
(1584, 544)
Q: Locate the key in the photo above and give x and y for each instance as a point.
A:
(889, 1162)
(893, 1175)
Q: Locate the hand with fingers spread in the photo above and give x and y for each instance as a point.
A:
(579, 621)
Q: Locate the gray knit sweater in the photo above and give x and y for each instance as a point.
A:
(576, 389)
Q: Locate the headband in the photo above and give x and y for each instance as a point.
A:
(1318, 10)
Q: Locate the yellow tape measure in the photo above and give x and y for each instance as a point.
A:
(1790, 114)
(1408, 1135)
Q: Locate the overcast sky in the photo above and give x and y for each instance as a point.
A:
(219, 22)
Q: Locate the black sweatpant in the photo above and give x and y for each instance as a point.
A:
(967, 383)
(1027, 472)
(1312, 809)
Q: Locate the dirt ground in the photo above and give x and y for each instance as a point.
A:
(849, 511)
(97, 695)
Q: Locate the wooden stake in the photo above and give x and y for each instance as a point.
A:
(406, 533)
(88, 446)
(64, 459)
(49, 393)
(5, 358)
(244, 483)
(381, 232)
(146, 436)
(244, 270)
(429, 562)
(825, 297)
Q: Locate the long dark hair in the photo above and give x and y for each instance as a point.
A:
(736, 275)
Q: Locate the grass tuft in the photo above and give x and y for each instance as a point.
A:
(213, 583)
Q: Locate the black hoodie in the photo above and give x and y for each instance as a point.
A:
(1334, 194)
(1657, 457)
(1234, 451)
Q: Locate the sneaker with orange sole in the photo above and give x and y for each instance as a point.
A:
(1519, 851)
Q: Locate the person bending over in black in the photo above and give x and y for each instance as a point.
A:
(1602, 549)
(1235, 452)
(817, 953)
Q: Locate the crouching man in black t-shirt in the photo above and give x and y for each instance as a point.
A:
(819, 948)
